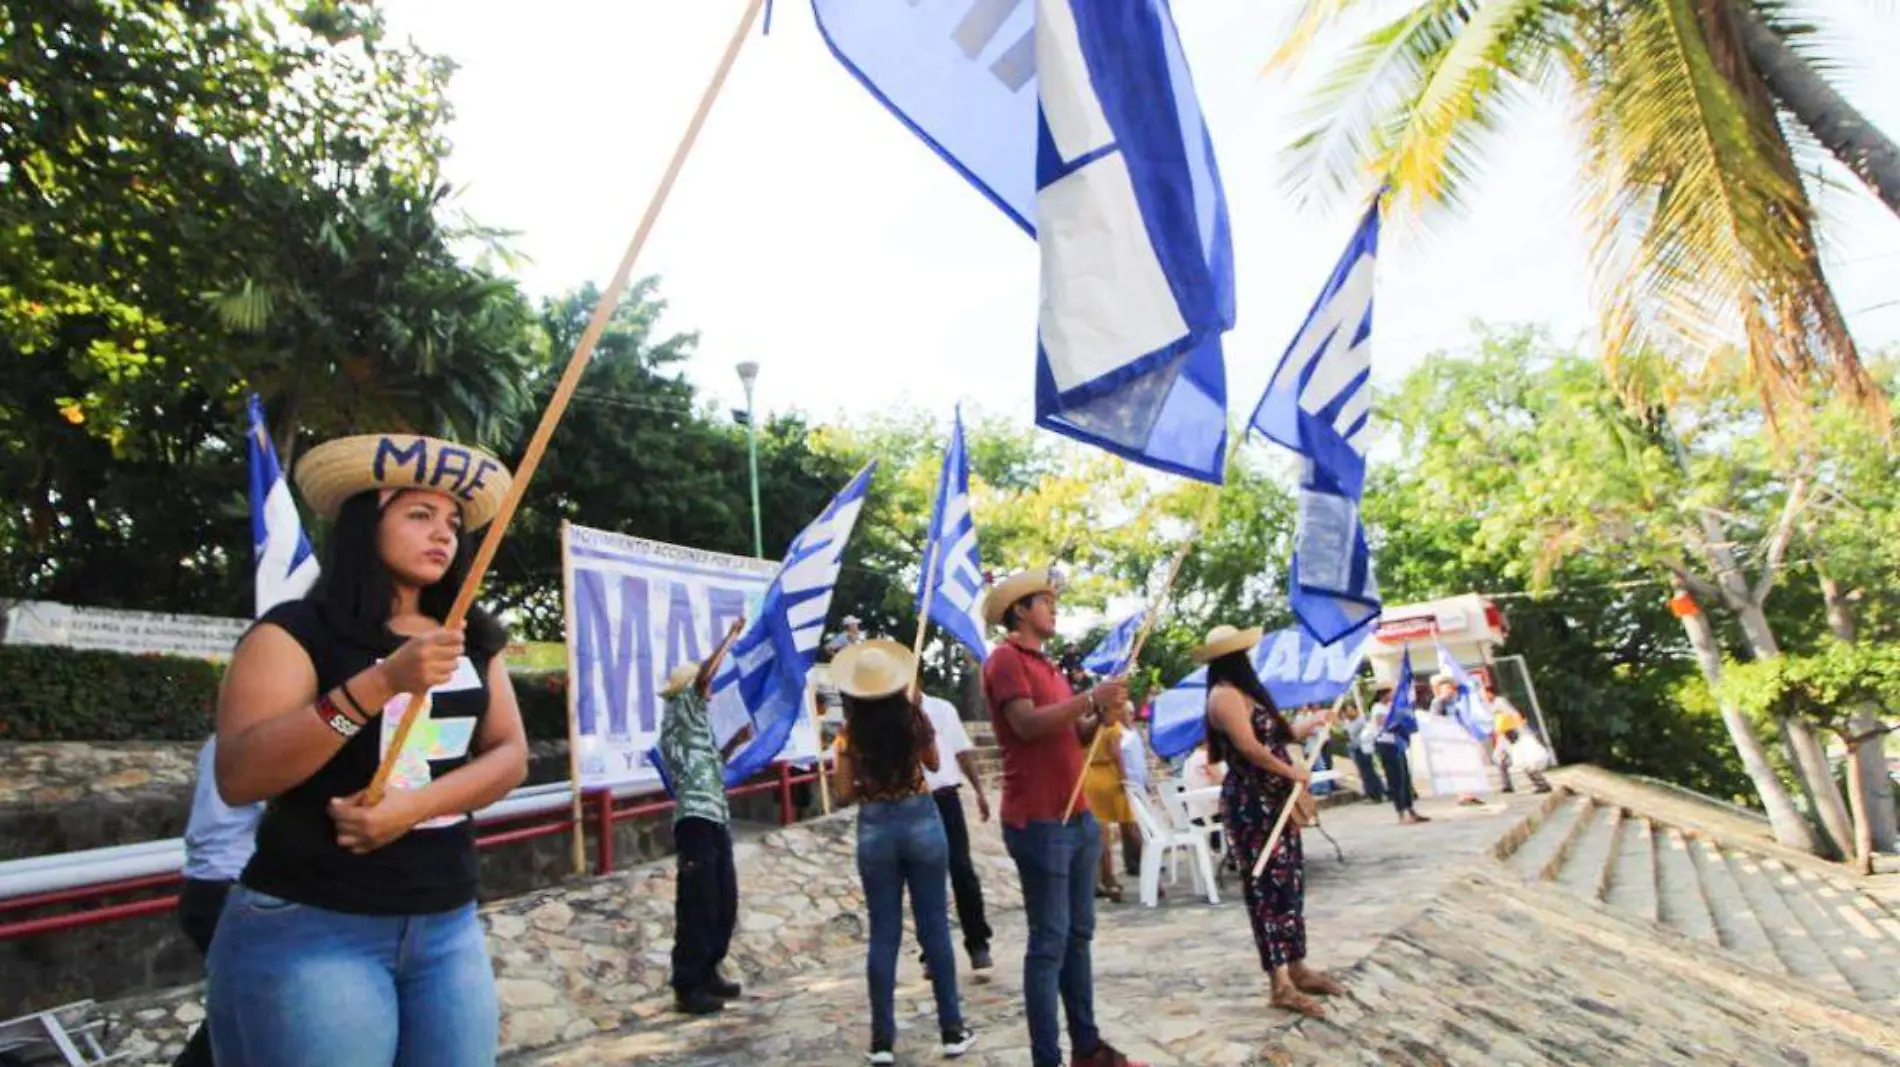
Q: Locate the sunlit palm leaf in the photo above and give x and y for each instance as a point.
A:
(245, 309)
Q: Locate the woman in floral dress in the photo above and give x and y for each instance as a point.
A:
(1247, 732)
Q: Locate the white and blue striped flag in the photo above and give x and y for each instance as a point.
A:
(1473, 711)
(285, 565)
(953, 585)
(1078, 119)
(1110, 656)
(762, 678)
(1318, 404)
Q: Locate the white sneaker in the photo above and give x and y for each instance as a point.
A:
(881, 1056)
(957, 1042)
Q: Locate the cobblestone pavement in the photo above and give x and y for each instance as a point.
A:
(1178, 984)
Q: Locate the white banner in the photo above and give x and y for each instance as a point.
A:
(139, 633)
(1454, 764)
(635, 609)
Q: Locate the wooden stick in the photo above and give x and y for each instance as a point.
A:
(923, 621)
(1134, 656)
(573, 719)
(818, 732)
(570, 380)
(1293, 798)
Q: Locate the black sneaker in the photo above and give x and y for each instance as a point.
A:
(980, 959)
(957, 1042)
(697, 1002)
(722, 987)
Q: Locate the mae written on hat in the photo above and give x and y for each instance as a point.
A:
(335, 471)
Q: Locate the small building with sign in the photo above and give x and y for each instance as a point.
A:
(1469, 626)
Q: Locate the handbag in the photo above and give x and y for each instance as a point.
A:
(1305, 810)
(1528, 753)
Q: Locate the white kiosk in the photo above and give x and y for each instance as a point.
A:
(1444, 758)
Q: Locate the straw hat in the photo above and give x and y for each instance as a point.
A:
(337, 470)
(872, 669)
(1225, 640)
(678, 679)
(1443, 678)
(1014, 588)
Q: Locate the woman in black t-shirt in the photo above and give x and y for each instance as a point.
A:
(352, 936)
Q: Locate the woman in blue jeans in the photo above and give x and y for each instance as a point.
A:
(351, 938)
(886, 744)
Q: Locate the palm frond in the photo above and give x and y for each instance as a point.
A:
(1312, 17)
(244, 309)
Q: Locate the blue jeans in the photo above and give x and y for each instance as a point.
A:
(901, 842)
(1057, 863)
(293, 985)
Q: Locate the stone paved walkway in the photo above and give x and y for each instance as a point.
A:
(1178, 985)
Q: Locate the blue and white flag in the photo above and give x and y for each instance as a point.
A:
(763, 676)
(1401, 719)
(953, 587)
(1318, 404)
(285, 566)
(1471, 709)
(1110, 657)
(1296, 670)
(1078, 119)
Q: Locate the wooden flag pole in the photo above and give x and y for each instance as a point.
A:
(1134, 656)
(923, 621)
(573, 720)
(1292, 799)
(570, 380)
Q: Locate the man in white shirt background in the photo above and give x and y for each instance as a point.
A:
(954, 765)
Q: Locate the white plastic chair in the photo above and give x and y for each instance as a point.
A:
(1160, 841)
(1174, 804)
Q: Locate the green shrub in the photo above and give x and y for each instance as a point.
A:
(62, 694)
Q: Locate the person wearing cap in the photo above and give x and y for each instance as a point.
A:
(1509, 731)
(1037, 716)
(1445, 697)
(885, 750)
(1246, 731)
(352, 935)
(706, 893)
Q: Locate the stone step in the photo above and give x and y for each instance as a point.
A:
(1740, 930)
(1791, 940)
(1859, 911)
(1587, 871)
(1544, 850)
(1632, 887)
(1868, 966)
(1680, 898)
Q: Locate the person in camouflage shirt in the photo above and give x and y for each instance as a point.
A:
(706, 902)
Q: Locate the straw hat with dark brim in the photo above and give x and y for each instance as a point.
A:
(678, 680)
(335, 471)
(1225, 640)
(870, 670)
(1014, 588)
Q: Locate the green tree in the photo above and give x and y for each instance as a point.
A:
(1705, 231)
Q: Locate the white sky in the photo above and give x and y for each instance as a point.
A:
(813, 233)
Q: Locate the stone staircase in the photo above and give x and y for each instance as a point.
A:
(1789, 918)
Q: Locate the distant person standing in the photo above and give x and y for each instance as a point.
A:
(1362, 740)
(1511, 733)
(954, 766)
(219, 840)
(1395, 728)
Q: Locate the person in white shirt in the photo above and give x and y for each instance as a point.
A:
(954, 764)
(1134, 756)
(219, 840)
(1362, 737)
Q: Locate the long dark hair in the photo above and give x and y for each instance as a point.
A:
(883, 740)
(1236, 669)
(355, 590)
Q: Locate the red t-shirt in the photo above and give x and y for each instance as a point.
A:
(1039, 774)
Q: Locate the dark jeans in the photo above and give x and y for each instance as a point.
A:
(199, 905)
(963, 880)
(901, 844)
(1369, 773)
(706, 903)
(1057, 862)
(1398, 776)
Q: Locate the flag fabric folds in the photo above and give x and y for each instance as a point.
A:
(285, 565)
(1473, 712)
(1318, 404)
(1110, 656)
(1296, 670)
(951, 584)
(1401, 719)
(762, 679)
(1078, 119)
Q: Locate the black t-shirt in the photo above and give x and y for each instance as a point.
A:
(429, 869)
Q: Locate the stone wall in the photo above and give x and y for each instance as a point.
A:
(594, 955)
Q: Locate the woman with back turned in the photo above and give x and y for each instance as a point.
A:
(1247, 732)
(351, 937)
(883, 751)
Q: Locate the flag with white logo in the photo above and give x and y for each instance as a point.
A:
(1110, 655)
(1078, 119)
(285, 565)
(1318, 404)
(952, 583)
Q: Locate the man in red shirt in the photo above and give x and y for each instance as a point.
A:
(1036, 715)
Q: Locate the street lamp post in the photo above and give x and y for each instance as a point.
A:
(748, 375)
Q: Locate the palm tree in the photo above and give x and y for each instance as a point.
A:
(1692, 113)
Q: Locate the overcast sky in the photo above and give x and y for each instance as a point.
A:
(813, 233)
